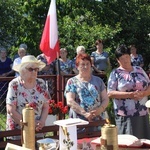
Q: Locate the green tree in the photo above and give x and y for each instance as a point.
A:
(79, 23)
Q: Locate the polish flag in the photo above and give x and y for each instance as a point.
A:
(49, 44)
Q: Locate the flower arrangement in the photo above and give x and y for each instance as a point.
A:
(57, 108)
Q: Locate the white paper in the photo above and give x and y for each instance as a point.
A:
(71, 122)
(123, 140)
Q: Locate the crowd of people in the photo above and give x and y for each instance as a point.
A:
(63, 65)
(87, 95)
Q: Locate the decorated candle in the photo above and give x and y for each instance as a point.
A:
(109, 137)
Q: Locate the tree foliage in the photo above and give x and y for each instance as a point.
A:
(79, 23)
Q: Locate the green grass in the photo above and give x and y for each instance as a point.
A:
(2, 121)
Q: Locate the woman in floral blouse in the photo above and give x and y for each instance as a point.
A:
(85, 93)
(136, 59)
(128, 86)
(27, 88)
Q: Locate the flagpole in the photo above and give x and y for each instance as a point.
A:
(59, 80)
(58, 65)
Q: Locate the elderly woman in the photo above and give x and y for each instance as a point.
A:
(27, 88)
(49, 68)
(128, 86)
(21, 53)
(85, 93)
(5, 63)
(65, 64)
(79, 50)
(5, 71)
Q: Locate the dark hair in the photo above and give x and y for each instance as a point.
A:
(98, 41)
(132, 46)
(121, 50)
(83, 56)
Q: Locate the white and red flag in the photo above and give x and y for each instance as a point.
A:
(49, 44)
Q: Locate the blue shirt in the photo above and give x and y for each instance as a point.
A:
(100, 60)
(5, 66)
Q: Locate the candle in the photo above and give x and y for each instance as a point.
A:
(109, 137)
(28, 128)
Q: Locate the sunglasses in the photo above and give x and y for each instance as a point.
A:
(33, 69)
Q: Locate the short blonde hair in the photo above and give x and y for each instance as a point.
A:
(79, 48)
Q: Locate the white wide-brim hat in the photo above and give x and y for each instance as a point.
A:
(27, 60)
(147, 104)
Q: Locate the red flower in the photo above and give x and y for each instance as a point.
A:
(33, 105)
(15, 87)
(57, 108)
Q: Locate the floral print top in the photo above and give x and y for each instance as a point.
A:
(50, 67)
(87, 94)
(137, 61)
(19, 96)
(65, 67)
(121, 80)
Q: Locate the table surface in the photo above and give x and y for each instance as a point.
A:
(97, 146)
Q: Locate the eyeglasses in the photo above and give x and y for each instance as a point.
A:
(33, 69)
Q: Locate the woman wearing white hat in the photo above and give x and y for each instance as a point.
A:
(27, 88)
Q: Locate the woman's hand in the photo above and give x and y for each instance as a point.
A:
(89, 116)
(95, 112)
(39, 125)
(138, 95)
